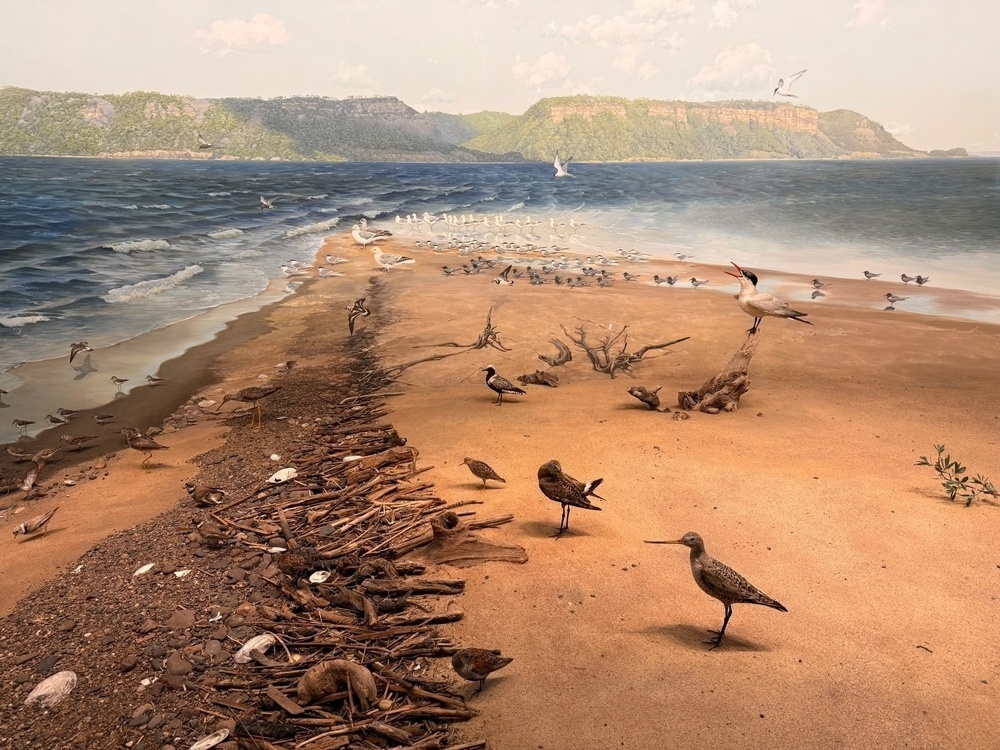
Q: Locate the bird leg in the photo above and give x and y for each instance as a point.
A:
(753, 329)
(481, 684)
(500, 399)
(145, 461)
(719, 634)
(563, 522)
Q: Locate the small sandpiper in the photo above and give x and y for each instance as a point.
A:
(142, 443)
(483, 470)
(51, 419)
(154, 381)
(65, 413)
(476, 664)
(38, 523)
(118, 382)
(17, 454)
(565, 490)
(22, 425)
(103, 418)
(204, 495)
(77, 440)
(499, 384)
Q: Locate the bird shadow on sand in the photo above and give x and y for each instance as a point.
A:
(35, 537)
(547, 530)
(479, 486)
(694, 638)
(472, 691)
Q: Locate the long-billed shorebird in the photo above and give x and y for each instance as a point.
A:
(761, 304)
(355, 311)
(38, 523)
(483, 471)
(720, 582)
(252, 395)
(476, 664)
(142, 443)
(565, 490)
(499, 384)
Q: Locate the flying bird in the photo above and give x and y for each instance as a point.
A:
(75, 349)
(761, 304)
(355, 311)
(502, 277)
(499, 384)
(265, 203)
(476, 664)
(562, 167)
(38, 523)
(784, 86)
(721, 582)
(565, 490)
(202, 143)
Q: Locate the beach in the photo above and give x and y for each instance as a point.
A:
(809, 490)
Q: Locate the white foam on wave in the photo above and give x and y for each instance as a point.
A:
(245, 254)
(220, 193)
(517, 206)
(138, 246)
(132, 207)
(319, 226)
(319, 197)
(225, 234)
(158, 205)
(151, 287)
(17, 321)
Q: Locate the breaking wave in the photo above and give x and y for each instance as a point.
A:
(224, 234)
(319, 226)
(17, 321)
(138, 246)
(152, 287)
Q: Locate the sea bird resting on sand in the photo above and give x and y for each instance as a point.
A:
(785, 85)
(75, 349)
(565, 490)
(142, 443)
(38, 523)
(761, 304)
(870, 275)
(721, 582)
(387, 261)
(355, 311)
(893, 299)
(476, 664)
(695, 282)
(252, 395)
(921, 280)
(17, 454)
(906, 279)
(482, 470)
(499, 384)
(562, 167)
(363, 237)
(153, 380)
(204, 495)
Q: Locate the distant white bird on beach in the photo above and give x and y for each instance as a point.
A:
(324, 273)
(265, 203)
(784, 85)
(377, 232)
(363, 237)
(388, 261)
(334, 260)
(562, 167)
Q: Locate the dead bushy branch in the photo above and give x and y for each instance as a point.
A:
(611, 362)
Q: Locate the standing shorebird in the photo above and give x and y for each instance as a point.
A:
(252, 395)
(38, 523)
(364, 237)
(870, 275)
(893, 299)
(103, 418)
(721, 582)
(388, 261)
(2, 394)
(565, 490)
(483, 470)
(142, 443)
(65, 413)
(476, 664)
(154, 381)
(22, 425)
(761, 304)
(499, 384)
(77, 440)
(118, 381)
(52, 419)
(78, 347)
(906, 279)
(355, 311)
(17, 454)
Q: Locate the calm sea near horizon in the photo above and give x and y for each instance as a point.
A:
(107, 250)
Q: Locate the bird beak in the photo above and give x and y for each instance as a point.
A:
(738, 274)
(672, 541)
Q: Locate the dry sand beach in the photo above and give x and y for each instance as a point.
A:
(809, 490)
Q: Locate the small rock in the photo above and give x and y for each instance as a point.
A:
(65, 625)
(177, 664)
(128, 663)
(101, 463)
(46, 664)
(148, 626)
(182, 619)
(154, 722)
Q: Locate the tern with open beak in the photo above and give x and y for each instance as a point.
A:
(761, 304)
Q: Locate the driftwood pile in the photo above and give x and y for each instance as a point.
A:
(723, 392)
(356, 624)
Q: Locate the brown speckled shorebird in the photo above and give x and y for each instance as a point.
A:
(38, 523)
(118, 382)
(204, 495)
(17, 454)
(483, 470)
(565, 490)
(77, 440)
(721, 582)
(476, 664)
(142, 443)
(252, 395)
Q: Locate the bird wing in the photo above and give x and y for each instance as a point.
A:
(504, 272)
(768, 304)
(498, 381)
(796, 76)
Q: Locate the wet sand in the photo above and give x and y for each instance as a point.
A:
(809, 490)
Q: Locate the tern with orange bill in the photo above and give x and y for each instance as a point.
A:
(761, 305)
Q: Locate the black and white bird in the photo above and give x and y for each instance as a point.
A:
(870, 275)
(785, 85)
(630, 276)
(202, 143)
(154, 381)
(817, 284)
(265, 203)
(893, 299)
(760, 305)
(921, 280)
(388, 261)
(355, 311)
(906, 279)
(671, 280)
(562, 167)
(697, 282)
(448, 271)
(499, 384)
(565, 490)
(502, 277)
(75, 349)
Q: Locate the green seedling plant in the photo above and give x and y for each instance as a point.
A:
(955, 478)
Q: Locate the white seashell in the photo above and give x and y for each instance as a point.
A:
(211, 741)
(282, 476)
(148, 681)
(69, 482)
(181, 573)
(52, 690)
(259, 642)
(78, 568)
(263, 377)
(345, 459)
(275, 457)
(206, 403)
(144, 569)
(275, 550)
(320, 576)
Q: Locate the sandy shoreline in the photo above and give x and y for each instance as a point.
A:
(809, 490)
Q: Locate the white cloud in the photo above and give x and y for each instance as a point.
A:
(547, 71)
(869, 13)
(348, 74)
(224, 36)
(900, 129)
(735, 69)
(725, 12)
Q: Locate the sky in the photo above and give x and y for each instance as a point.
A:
(925, 69)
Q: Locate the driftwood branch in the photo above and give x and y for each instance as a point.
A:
(540, 377)
(603, 359)
(490, 336)
(723, 392)
(648, 397)
(564, 355)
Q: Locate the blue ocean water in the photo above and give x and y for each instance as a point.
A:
(106, 250)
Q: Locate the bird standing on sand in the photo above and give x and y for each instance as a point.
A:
(2, 394)
(906, 279)
(355, 311)
(785, 85)
(870, 275)
(893, 299)
(65, 413)
(77, 440)
(363, 237)
(38, 523)
(695, 282)
(482, 470)
(17, 454)
(499, 384)
(565, 490)
(252, 395)
(118, 381)
(388, 261)
(142, 443)
(476, 664)
(721, 582)
(204, 495)
(154, 381)
(921, 280)
(52, 419)
(22, 425)
(562, 167)
(103, 418)
(78, 347)
(761, 304)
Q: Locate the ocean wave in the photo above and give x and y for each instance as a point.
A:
(151, 287)
(319, 197)
(220, 193)
(158, 205)
(17, 321)
(245, 254)
(225, 234)
(319, 226)
(131, 207)
(516, 207)
(137, 246)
